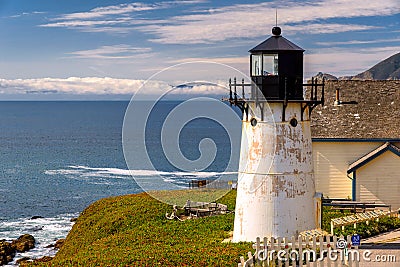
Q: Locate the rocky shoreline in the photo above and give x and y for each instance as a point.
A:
(9, 249)
(22, 244)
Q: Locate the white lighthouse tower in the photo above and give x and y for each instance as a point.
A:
(275, 191)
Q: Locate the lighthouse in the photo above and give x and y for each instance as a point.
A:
(276, 189)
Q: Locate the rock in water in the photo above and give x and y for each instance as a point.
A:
(59, 243)
(44, 259)
(24, 243)
(36, 217)
(24, 260)
(7, 252)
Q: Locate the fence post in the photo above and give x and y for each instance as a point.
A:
(300, 242)
(335, 263)
(314, 248)
(357, 263)
(273, 248)
(242, 263)
(266, 263)
(321, 250)
(348, 259)
(343, 255)
(302, 252)
(329, 246)
(280, 263)
(258, 248)
(293, 247)
(307, 241)
(287, 251)
(251, 258)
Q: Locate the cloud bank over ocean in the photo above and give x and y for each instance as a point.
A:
(104, 86)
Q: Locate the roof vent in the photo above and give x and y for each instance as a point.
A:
(337, 99)
(339, 103)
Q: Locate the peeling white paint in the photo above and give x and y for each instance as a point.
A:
(275, 192)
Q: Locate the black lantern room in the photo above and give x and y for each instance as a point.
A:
(276, 67)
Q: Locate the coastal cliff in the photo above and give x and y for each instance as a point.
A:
(133, 231)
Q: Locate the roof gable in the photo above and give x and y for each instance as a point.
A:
(372, 155)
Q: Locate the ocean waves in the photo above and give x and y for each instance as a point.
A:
(109, 175)
(45, 230)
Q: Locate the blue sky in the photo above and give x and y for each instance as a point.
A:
(110, 47)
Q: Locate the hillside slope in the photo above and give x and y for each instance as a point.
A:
(388, 69)
(133, 231)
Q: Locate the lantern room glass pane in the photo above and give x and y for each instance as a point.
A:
(256, 65)
(270, 64)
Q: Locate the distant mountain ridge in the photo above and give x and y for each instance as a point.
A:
(388, 69)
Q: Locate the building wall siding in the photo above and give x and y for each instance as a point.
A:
(331, 161)
(379, 180)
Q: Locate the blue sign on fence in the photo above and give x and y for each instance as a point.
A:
(355, 240)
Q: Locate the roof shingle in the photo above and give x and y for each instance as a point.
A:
(376, 116)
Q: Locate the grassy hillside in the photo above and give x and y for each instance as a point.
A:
(132, 231)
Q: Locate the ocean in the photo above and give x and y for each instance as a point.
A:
(58, 157)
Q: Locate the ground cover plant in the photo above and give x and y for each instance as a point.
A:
(363, 229)
(133, 231)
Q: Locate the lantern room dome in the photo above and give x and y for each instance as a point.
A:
(276, 67)
(276, 43)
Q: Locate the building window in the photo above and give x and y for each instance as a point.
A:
(256, 65)
(270, 64)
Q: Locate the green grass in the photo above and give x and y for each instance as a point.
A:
(179, 197)
(132, 231)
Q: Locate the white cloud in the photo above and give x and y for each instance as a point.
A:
(234, 21)
(342, 62)
(26, 14)
(222, 60)
(188, 34)
(101, 86)
(85, 23)
(101, 12)
(122, 15)
(114, 52)
(73, 85)
(123, 9)
(240, 21)
(318, 28)
(358, 42)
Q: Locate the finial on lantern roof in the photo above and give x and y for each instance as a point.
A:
(276, 31)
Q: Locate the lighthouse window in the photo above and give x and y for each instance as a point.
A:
(256, 65)
(270, 64)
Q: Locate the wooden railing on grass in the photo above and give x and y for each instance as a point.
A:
(324, 247)
(361, 217)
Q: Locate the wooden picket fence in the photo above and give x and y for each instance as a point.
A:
(361, 217)
(300, 252)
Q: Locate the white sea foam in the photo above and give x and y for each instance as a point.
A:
(103, 175)
(45, 230)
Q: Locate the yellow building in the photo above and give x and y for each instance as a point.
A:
(356, 148)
